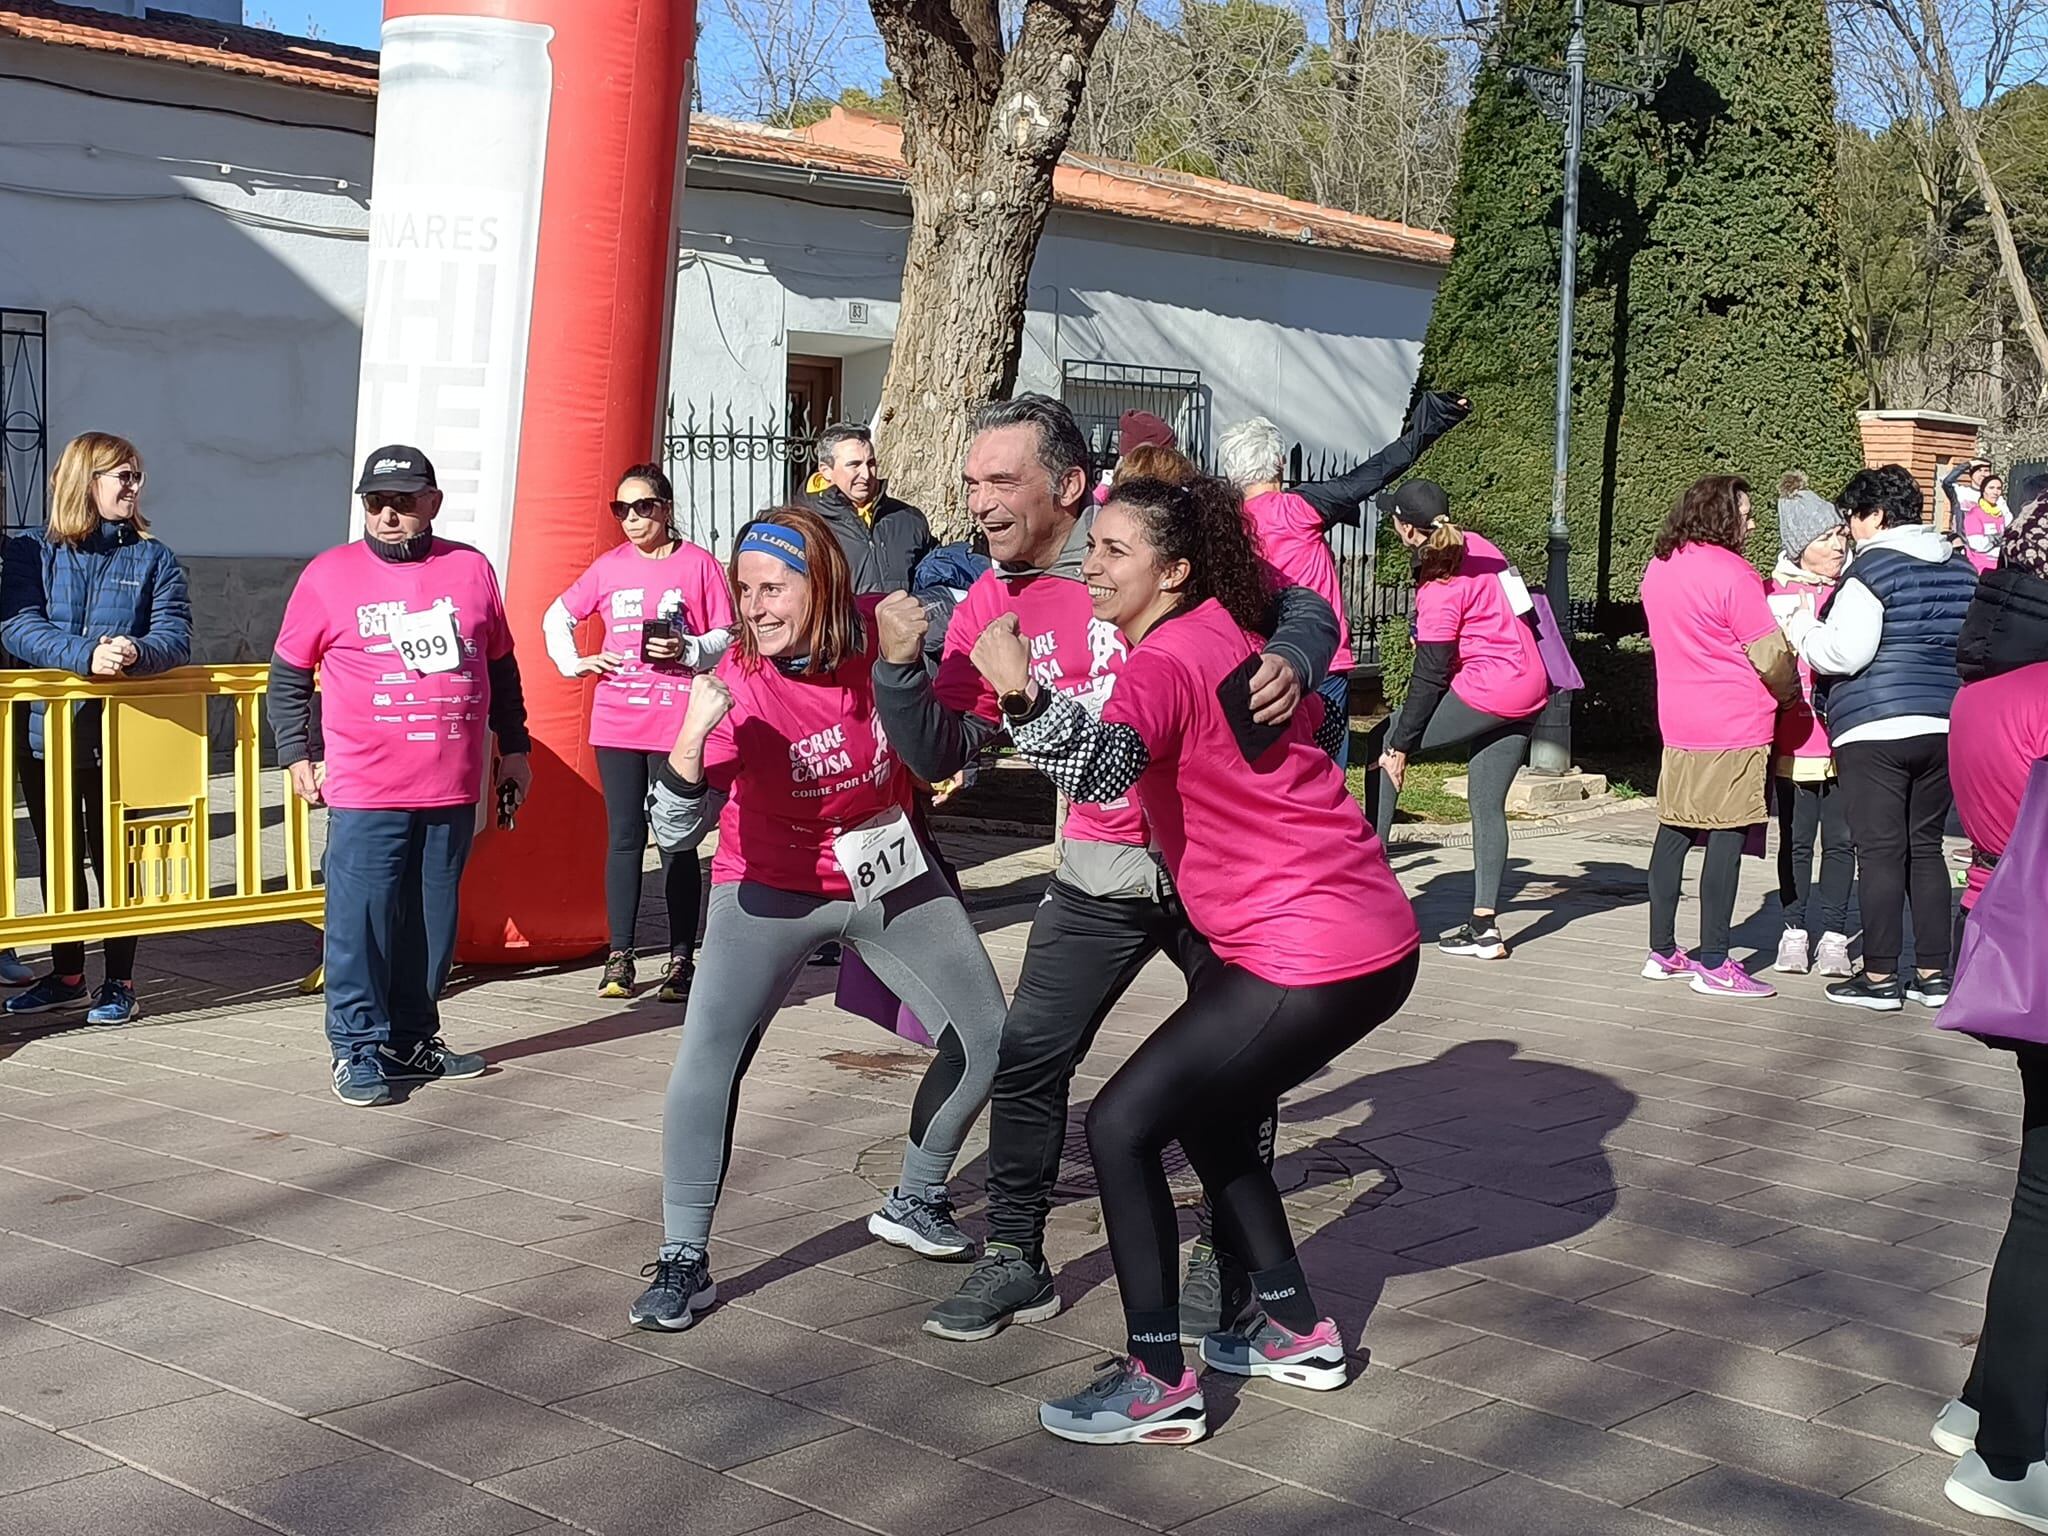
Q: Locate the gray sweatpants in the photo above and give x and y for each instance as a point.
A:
(1499, 748)
(917, 940)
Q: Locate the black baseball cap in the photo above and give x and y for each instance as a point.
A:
(1418, 503)
(395, 467)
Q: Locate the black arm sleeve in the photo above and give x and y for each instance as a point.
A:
(291, 711)
(1301, 628)
(1427, 686)
(508, 706)
(934, 742)
(1339, 500)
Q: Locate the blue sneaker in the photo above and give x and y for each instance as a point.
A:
(46, 996)
(1128, 1405)
(429, 1061)
(12, 972)
(358, 1082)
(114, 1003)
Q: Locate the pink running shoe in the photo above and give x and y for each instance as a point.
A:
(1675, 966)
(1729, 980)
(1262, 1347)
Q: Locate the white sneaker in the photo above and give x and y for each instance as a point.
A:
(1792, 952)
(1972, 1487)
(1831, 955)
(1955, 1428)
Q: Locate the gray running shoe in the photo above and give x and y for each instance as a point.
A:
(679, 1287)
(427, 1062)
(1263, 1347)
(1955, 1428)
(1003, 1288)
(1128, 1405)
(1972, 1487)
(923, 1224)
(359, 1083)
(1214, 1295)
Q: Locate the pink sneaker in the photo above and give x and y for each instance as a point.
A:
(1729, 980)
(1262, 1347)
(1675, 966)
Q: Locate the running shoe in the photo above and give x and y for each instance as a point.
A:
(2025, 1503)
(1792, 953)
(1480, 941)
(923, 1224)
(358, 1082)
(1003, 1288)
(617, 980)
(1859, 991)
(1676, 966)
(676, 978)
(1128, 1405)
(828, 954)
(1215, 1293)
(1262, 1347)
(1927, 991)
(12, 972)
(1730, 980)
(1955, 1428)
(114, 1003)
(679, 1286)
(1831, 955)
(46, 996)
(427, 1062)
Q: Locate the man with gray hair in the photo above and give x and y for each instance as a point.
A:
(884, 538)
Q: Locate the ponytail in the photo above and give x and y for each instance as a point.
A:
(1202, 521)
(1442, 555)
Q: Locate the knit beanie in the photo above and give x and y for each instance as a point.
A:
(1803, 516)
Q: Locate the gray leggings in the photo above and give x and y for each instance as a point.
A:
(1499, 748)
(917, 940)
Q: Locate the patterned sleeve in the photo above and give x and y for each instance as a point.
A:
(1092, 761)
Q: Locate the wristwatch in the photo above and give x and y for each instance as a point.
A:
(1016, 704)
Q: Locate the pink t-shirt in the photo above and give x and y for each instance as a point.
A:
(640, 707)
(802, 759)
(1799, 731)
(397, 738)
(1272, 859)
(1982, 522)
(1500, 670)
(1997, 731)
(1706, 607)
(1071, 651)
(1290, 535)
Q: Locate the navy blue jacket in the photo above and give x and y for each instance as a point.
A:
(1914, 670)
(58, 600)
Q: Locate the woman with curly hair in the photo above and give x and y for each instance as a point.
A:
(1723, 670)
(1314, 943)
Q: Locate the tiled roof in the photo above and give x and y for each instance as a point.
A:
(844, 144)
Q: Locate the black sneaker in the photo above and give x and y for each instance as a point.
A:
(1003, 1288)
(676, 978)
(828, 954)
(429, 1061)
(1927, 991)
(679, 1287)
(1480, 941)
(1215, 1295)
(48, 995)
(1859, 991)
(618, 975)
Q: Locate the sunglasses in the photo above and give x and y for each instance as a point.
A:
(647, 506)
(131, 479)
(401, 502)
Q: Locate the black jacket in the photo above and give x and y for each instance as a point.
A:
(2007, 626)
(882, 555)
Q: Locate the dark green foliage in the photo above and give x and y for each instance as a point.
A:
(1397, 660)
(1710, 334)
(1618, 707)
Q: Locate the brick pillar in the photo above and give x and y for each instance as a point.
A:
(1928, 443)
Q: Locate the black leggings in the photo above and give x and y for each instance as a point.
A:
(88, 835)
(1208, 1077)
(1810, 814)
(1719, 877)
(625, 775)
(1898, 797)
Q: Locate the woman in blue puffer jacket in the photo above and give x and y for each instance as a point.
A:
(94, 595)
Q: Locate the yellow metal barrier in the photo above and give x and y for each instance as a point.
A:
(158, 875)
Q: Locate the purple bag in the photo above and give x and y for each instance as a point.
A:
(861, 992)
(1551, 646)
(2001, 985)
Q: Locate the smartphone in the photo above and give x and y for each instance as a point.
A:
(656, 629)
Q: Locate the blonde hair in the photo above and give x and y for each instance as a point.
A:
(1442, 555)
(1153, 461)
(85, 458)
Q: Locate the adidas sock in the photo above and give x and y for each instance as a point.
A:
(1283, 1292)
(1155, 1341)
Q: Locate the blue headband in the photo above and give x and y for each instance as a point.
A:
(773, 539)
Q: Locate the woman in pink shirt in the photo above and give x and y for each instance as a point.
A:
(1314, 942)
(1479, 680)
(815, 843)
(666, 613)
(1723, 669)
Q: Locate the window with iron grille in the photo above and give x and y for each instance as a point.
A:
(1098, 393)
(24, 419)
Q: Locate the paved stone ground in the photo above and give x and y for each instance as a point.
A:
(1619, 1259)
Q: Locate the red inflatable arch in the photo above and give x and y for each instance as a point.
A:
(521, 277)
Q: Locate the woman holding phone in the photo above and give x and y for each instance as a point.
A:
(667, 613)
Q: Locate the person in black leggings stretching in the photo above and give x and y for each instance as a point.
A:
(1314, 941)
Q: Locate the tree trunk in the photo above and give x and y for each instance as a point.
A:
(983, 130)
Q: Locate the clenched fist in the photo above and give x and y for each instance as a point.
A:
(710, 702)
(901, 625)
(1001, 655)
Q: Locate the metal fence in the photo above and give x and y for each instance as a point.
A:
(24, 419)
(1098, 393)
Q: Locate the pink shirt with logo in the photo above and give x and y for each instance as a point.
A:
(1290, 536)
(1706, 607)
(1997, 731)
(1071, 651)
(1799, 731)
(1500, 670)
(1273, 859)
(1984, 523)
(640, 707)
(802, 760)
(397, 739)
